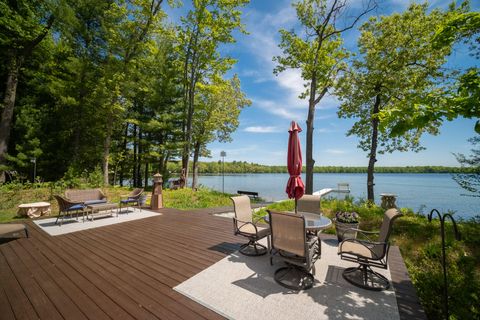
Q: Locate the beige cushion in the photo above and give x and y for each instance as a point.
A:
(249, 228)
(360, 250)
(11, 228)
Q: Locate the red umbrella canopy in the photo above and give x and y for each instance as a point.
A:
(295, 187)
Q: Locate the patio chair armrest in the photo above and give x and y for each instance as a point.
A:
(367, 244)
(364, 232)
(244, 223)
(262, 218)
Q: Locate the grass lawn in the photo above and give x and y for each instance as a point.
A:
(181, 199)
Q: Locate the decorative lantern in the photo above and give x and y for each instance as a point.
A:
(157, 196)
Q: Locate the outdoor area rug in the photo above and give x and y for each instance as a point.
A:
(241, 287)
(73, 225)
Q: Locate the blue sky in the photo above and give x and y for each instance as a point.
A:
(263, 132)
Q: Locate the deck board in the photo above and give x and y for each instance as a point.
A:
(126, 270)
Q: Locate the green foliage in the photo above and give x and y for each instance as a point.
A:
(450, 100)
(106, 86)
(318, 52)
(191, 199)
(470, 182)
(397, 66)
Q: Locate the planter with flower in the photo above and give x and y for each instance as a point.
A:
(345, 221)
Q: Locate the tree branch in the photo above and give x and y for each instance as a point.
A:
(372, 5)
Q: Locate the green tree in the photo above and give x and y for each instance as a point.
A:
(131, 37)
(209, 24)
(397, 65)
(455, 99)
(23, 26)
(317, 51)
(219, 104)
(470, 181)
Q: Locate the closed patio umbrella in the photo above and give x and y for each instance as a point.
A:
(295, 187)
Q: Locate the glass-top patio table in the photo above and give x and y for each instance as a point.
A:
(313, 221)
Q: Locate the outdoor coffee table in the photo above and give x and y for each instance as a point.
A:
(100, 210)
(34, 210)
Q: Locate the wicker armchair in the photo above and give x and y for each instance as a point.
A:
(68, 207)
(369, 253)
(244, 225)
(132, 198)
(293, 245)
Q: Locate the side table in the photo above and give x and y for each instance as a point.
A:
(34, 210)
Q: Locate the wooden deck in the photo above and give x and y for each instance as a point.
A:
(125, 271)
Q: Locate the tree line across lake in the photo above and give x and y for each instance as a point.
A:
(245, 167)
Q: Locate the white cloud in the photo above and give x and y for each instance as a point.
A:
(278, 108)
(261, 129)
(335, 151)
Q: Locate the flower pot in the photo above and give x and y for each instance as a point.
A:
(343, 232)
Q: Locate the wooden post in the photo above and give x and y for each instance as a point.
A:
(157, 196)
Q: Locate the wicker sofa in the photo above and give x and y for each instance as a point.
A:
(88, 196)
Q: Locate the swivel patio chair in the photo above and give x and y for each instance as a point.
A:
(66, 207)
(296, 248)
(368, 254)
(244, 225)
(132, 198)
(309, 203)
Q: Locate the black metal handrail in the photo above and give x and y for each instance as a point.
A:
(442, 218)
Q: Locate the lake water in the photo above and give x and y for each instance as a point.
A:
(420, 192)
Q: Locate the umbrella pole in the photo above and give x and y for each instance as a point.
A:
(295, 205)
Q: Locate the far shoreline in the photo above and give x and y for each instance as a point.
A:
(216, 168)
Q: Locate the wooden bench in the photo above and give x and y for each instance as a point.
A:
(251, 194)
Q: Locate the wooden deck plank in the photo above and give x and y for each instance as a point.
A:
(63, 303)
(155, 280)
(53, 253)
(153, 300)
(39, 300)
(60, 277)
(127, 270)
(120, 298)
(20, 305)
(6, 311)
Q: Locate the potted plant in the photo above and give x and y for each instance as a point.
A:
(345, 221)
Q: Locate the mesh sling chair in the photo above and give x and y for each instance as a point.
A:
(309, 203)
(133, 198)
(295, 247)
(368, 254)
(244, 225)
(68, 207)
